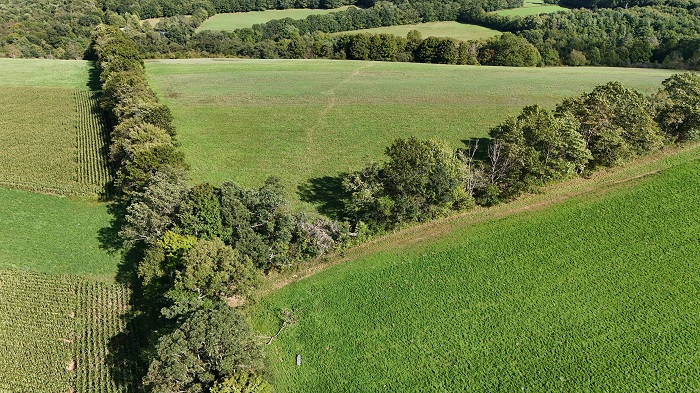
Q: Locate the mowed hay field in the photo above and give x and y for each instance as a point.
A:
(244, 120)
(460, 31)
(55, 332)
(587, 293)
(52, 137)
(241, 20)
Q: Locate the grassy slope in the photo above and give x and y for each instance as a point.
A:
(456, 30)
(239, 20)
(596, 293)
(244, 120)
(531, 7)
(53, 235)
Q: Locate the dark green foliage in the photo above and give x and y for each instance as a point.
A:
(659, 35)
(213, 269)
(437, 50)
(199, 213)
(679, 107)
(52, 28)
(510, 50)
(209, 345)
(133, 177)
(537, 147)
(421, 180)
(152, 213)
(243, 383)
(617, 123)
(257, 222)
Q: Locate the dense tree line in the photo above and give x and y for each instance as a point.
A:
(658, 36)
(196, 245)
(611, 124)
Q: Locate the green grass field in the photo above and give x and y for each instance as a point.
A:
(532, 7)
(240, 20)
(52, 137)
(54, 333)
(460, 31)
(244, 120)
(70, 74)
(591, 286)
(54, 235)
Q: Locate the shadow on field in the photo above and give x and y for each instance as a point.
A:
(326, 194)
(94, 78)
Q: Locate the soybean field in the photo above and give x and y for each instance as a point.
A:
(304, 120)
(590, 286)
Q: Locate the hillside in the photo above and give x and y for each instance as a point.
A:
(244, 120)
(590, 286)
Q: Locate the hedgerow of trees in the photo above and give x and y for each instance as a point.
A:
(196, 245)
(422, 180)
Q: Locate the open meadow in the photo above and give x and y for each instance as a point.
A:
(590, 286)
(241, 20)
(244, 120)
(55, 235)
(532, 7)
(52, 136)
(460, 31)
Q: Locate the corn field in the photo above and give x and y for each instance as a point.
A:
(91, 140)
(52, 140)
(55, 332)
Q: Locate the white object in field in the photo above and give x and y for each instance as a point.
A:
(298, 360)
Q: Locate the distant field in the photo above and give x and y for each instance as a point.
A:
(460, 31)
(244, 120)
(55, 331)
(593, 293)
(54, 235)
(532, 7)
(52, 136)
(239, 20)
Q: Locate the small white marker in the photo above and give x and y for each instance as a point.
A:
(298, 360)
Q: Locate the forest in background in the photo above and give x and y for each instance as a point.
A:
(607, 33)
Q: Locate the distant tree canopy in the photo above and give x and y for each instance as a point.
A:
(662, 35)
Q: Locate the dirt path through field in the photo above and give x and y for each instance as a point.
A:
(599, 183)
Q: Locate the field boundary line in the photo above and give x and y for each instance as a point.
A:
(601, 181)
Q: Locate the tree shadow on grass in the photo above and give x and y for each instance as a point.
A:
(326, 194)
(482, 147)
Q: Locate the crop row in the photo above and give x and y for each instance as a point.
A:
(56, 332)
(101, 314)
(91, 139)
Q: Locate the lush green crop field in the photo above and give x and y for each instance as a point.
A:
(244, 120)
(460, 31)
(52, 137)
(54, 235)
(596, 292)
(54, 333)
(239, 20)
(532, 7)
